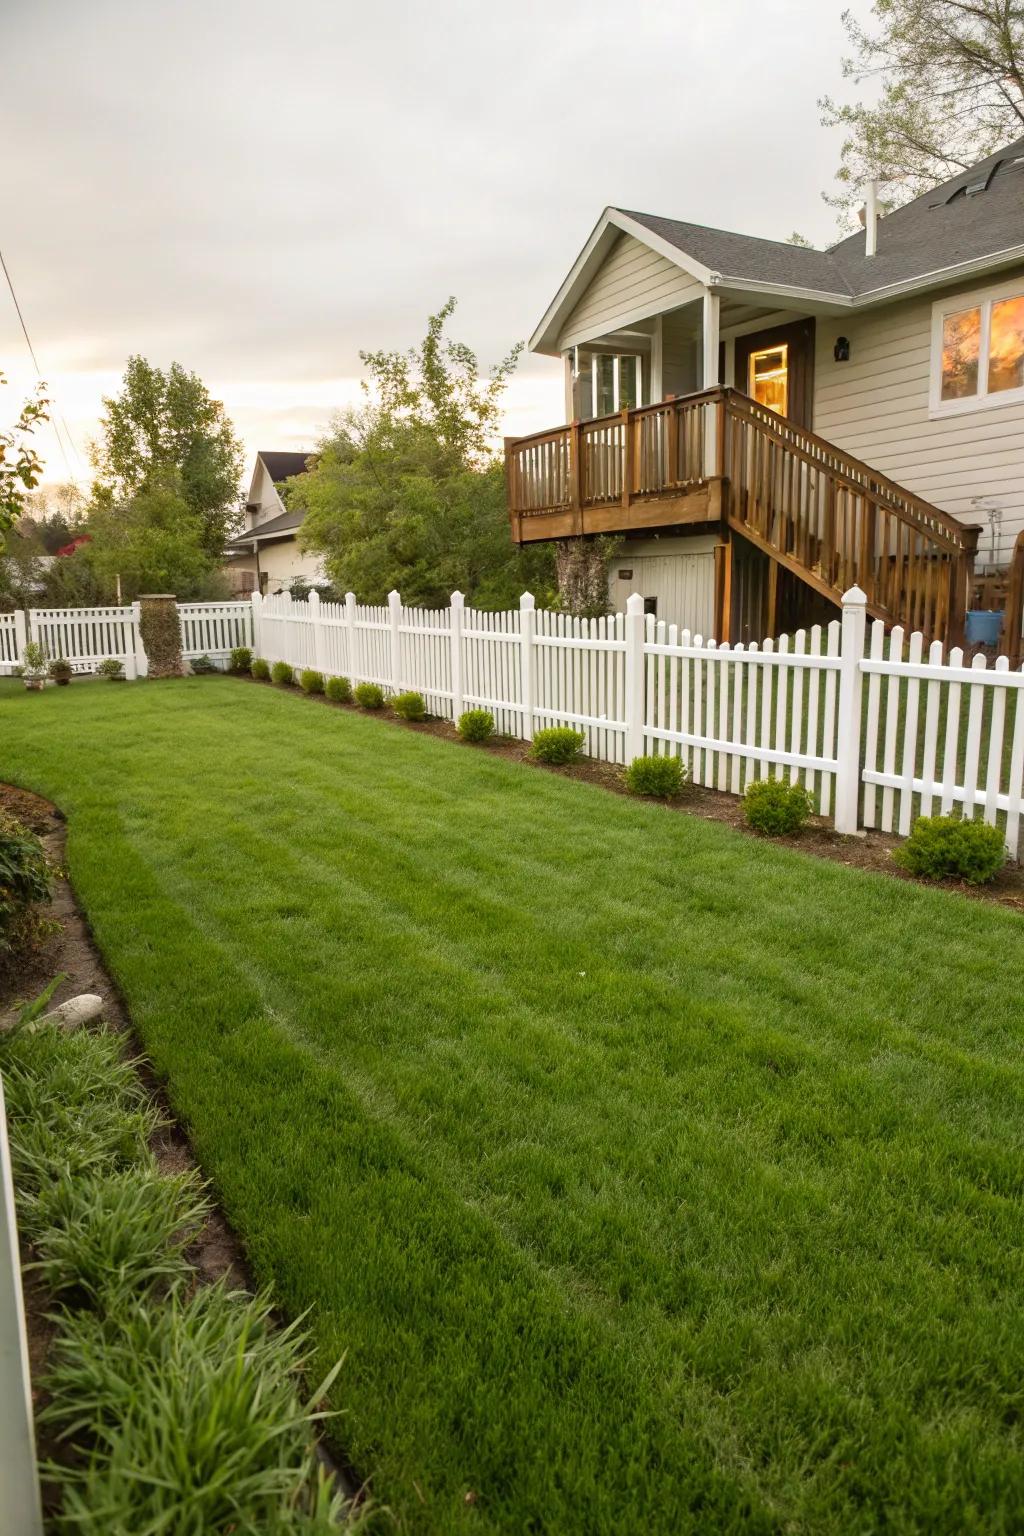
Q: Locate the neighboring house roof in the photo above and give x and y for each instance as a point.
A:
(280, 527)
(281, 466)
(75, 543)
(973, 221)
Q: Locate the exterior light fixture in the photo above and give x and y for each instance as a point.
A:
(841, 350)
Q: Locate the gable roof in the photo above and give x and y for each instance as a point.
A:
(281, 466)
(972, 221)
(280, 527)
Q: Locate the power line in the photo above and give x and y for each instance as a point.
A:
(39, 376)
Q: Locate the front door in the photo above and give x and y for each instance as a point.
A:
(776, 368)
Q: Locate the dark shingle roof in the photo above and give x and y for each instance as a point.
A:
(281, 466)
(282, 525)
(943, 228)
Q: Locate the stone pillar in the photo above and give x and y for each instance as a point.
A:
(160, 629)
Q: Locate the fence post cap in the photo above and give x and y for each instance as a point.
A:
(526, 600)
(313, 595)
(457, 600)
(394, 596)
(634, 603)
(854, 598)
(350, 597)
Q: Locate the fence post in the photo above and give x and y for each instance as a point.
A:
(319, 638)
(456, 616)
(257, 619)
(20, 635)
(395, 615)
(851, 654)
(141, 659)
(18, 1476)
(635, 618)
(350, 617)
(527, 630)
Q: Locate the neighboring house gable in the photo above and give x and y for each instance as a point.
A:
(266, 555)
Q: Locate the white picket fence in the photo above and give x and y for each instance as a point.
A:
(876, 733)
(86, 636)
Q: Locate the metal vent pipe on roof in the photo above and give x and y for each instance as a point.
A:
(870, 217)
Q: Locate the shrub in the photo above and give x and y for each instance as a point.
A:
(282, 674)
(202, 665)
(311, 681)
(34, 665)
(26, 881)
(338, 690)
(61, 671)
(368, 696)
(949, 848)
(112, 669)
(261, 669)
(559, 744)
(660, 777)
(409, 706)
(775, 807)
(241, 659)
(476, 725)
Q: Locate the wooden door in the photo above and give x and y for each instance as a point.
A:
(777, 367)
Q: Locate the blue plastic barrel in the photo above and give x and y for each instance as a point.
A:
(983, 626)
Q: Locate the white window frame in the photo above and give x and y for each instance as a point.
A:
(983, 299)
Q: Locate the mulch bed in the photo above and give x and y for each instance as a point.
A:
(869, 850)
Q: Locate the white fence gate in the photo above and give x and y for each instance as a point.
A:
(876, 733)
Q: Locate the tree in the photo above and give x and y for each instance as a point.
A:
(406, 492)
(952, 92)
(164, 430)
(153, 543)
(20, 464)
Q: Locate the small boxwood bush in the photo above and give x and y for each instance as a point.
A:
(476, 725)
(61, 671)
(338, 690)
(201, 665)
(241, 659)
(368, 696)
(409, 706)
(311, 681)
(775, 807)
(949, 848)
(559, 744)
(112, 669)
(282, 674)
(261, 669)
(659, 777)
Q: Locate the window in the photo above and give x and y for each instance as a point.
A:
(978, 351)
(606, 382)
(768, 378)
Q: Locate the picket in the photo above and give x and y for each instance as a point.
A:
(789, 707)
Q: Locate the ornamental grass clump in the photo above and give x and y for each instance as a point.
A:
(311, 681)
(659, 778)
(476, 725)
(261, 669)
(241, 659)
(282, 674)
(775, 807)
(26, 884)
(949, 848)
(559, 744)
(338, 690)
(409, 706)
(368, 696)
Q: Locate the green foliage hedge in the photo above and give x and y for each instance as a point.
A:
(111, 668)
(311, 681)
(659, 777)
(241, 659)
(476, 725)
(338, 690)
(26, 882)
(409, 706)
(558, 744)
(368, 696)
(775, 807)
(282, 674)
(261, 669)
(949, 848)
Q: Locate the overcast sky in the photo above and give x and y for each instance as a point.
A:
(260, 190)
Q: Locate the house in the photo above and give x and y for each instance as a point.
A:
(266, 556)
(760, 425)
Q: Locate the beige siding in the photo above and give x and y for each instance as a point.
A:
(680, 573)
(876, 406)
(633, 283)
(681, 352)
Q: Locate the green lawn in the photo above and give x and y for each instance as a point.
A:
(654, 1180)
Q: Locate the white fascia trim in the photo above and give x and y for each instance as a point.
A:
(782, 291)
(545, 337)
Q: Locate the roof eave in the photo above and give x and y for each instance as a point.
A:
(940, 276)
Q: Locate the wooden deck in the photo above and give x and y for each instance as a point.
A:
(718, 457)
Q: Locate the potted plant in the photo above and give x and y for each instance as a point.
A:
(112, 669)
(34, 666)
(60, 671)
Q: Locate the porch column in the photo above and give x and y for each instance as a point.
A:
(567, 365)
(709, 353)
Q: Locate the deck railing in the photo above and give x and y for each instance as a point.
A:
(831, 519)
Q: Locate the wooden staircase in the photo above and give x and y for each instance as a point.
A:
(813, 511)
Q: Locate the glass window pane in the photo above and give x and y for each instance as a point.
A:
(961, 343)
(1006, 345)
(582, 388)
(627, 382)
(605, 384)
(768, 380)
